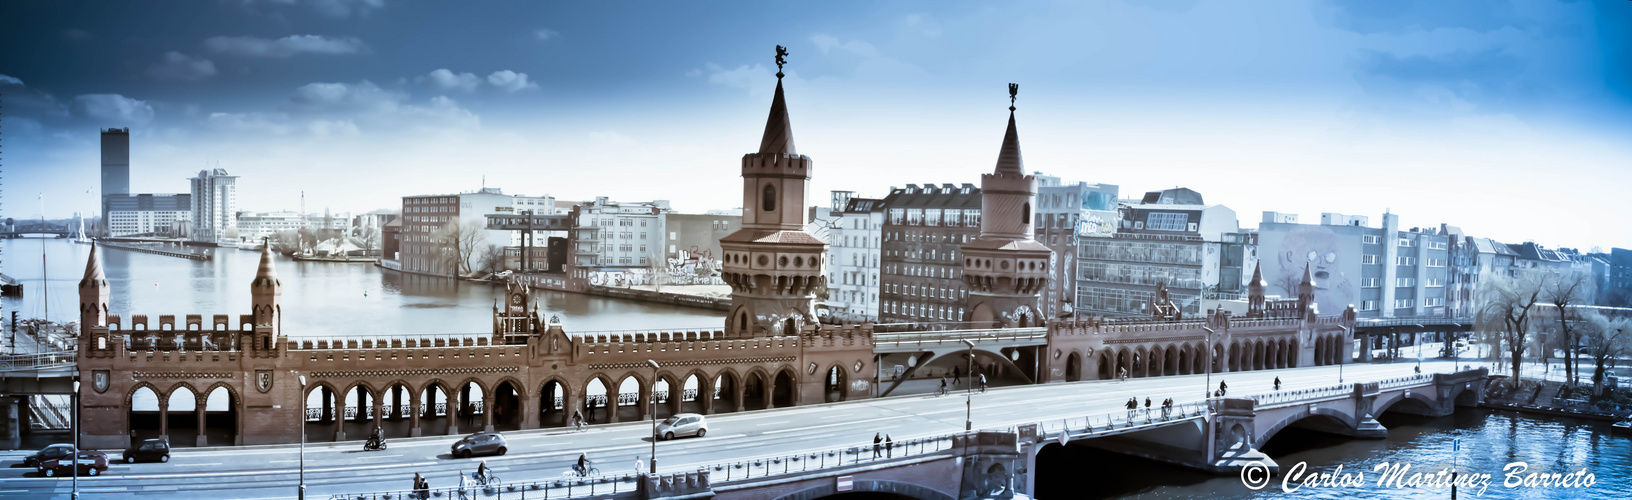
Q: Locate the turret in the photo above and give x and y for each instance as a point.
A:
(1306, 290)
(1255, 292)
(1005, 268)
(265, 292)
(93, 294)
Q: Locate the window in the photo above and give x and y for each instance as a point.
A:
(1370, 305)
(1405, 242)
(1371, 283)
(1025, 213)
(1405, 282)
(1433, 302)
(1436, 245)
(1370, 239)
(767, 200)
(1163, 221)
(1405, 261)
(1405, 303)
(1436, 282)
(1368, 259)
(1436, 262)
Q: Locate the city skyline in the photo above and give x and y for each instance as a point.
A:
(1428, 112)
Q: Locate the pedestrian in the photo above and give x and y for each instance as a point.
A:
(1147, 402)
(417, 479)
(591, 409)
(1223, 388)
(463, 483)
(943, 385)
(877, 438)
(955, 378)
(640, 466)
(982, 383)
(1277, 383)
(889, 447)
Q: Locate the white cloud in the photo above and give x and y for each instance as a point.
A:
(758, 80)
(324, 128)
(178, 66)
(366, 105)
(827, 43)
(249, 122)
(340, 9)
(113, 108)
(9, 80)
(361, 96)
(510, 80)
(249, 46)
(443, 79)
(543, 34)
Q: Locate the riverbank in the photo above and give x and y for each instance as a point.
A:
(681, 298)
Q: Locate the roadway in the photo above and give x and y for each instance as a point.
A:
(272, 472)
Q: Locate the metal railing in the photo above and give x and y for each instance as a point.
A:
(844, 456)
(565, 487)
(1123, 419)
(1281, 397)
(957, 336)
(37, 361)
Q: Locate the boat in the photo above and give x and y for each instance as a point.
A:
(335, 250)
(1622, 427)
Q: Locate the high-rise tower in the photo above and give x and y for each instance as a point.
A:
(773, 266)
(1004, 267)
(115, 169)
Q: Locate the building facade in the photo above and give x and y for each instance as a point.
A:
(115, 172)
(920, 274)
(1170, 239)
(161, 215)
(616, 243)
(215, 206)
(1382, 272)
(1004, 268)
(256, 226)
(1066, 212)
(853, 259)
(692, 255)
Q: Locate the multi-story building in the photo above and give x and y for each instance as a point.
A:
(538, 205)
(215, 206)
(853, 248)
(1383, 272)
(1066, 212)
(612, 241)
(692, 256)
(1620, 278)
(256, 226)
(1169, 238)
(920, 275)
(115, 171)
(426, 217)
(164, 215)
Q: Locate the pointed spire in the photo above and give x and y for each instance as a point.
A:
(1008, 158)
(267, 270)
(93, 270)
(778, 129)
(1257, 276)
(1308, 278)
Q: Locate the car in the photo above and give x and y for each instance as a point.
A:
(151, 450)
(52, 452)
(682, 424)
(91, 463)
(481, 443)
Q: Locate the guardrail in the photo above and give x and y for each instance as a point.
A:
(957, 336)
(565, 487)
(1282, 397)
(1124, 419)
(844, 456)
(37, 361)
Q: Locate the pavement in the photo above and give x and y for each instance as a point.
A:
(266, 472)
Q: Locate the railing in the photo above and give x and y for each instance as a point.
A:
(845, 456)
(1281, 397)
(50, 416)
(37, 361)
(604, 484)
(1413, 321)
(1405, 381)
(1123, 419)
(688, 395)
(957, 336)
(441, 409)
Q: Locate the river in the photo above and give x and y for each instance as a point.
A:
(319, 299)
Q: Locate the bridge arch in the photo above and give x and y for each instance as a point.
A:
(144, 412)
(673, 393)
(599, 409)
(1073, 366)
(727, 391)
(1153, 364)
(226, 423)
(756, 387)
(631, 381)
(1235, 355)
(1218, 358)
(1172, 365)
(555, 402)
(868, 488)
(1416, 403)
(509, 404)
(1321, 418)
(1107, 365)
(702, 395)
(1141, 359)
(785, 388)
(184, 405)
(834, 383)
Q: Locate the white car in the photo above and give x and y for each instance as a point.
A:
(683, 424)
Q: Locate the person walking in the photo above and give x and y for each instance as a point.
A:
(943, 386)
(1223, 388)
(1277, 383)
(640, 466)
(982, 383)
(955, 378)
(877, 438)
(889, 447)
(417, 483)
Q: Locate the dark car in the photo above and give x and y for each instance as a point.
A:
(52, 452)
(91, 463)
(481, 443)
(151, 450)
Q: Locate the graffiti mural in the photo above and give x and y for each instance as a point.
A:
(1332, 254)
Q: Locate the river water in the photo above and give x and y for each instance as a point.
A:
(319, 298)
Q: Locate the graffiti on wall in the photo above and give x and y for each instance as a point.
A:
(693, 267)
(1332, 263)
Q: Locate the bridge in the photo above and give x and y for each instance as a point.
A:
(36, 229)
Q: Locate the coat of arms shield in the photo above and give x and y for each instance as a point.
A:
(263, 380)
(99, 381)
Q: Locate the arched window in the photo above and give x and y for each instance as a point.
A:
(1025, 214)
(767, 200)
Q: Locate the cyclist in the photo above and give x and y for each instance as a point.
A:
(982, 383)
(483, 474)
(577, 420)
(583, 464)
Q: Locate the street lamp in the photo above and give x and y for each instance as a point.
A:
(302, 493)
(968, 392)
(653, 469)
(1348, 340)
(1418, 340)
(1204, 394)
(75, 426)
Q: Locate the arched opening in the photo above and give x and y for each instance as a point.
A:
(144, 415)
(506, 407)
(433, 410)
(1219, 357)
(1107, 365)
(1141, 361)
(552, 400)
(1258, 355)
(784, 390)
(663, 398)
(834, 384)
(322, 411)
(359, 407)
(1170, 365)
(1025, 213)
(1124, 363)
(742, 322)
(470, 407)
(726, 393)
(1073, 367)
(1235, 356)
(628, 400)
(789, 328)
(596, 402)
(183, 417)
(397, 400)
(221, 417)
(767, 200)
(1025, 320)
(1320, 351)
(1314, 431)
(753, 392)
(694, 397)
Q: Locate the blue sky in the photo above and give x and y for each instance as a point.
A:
(1495, 116)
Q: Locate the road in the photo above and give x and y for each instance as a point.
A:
(330, 468)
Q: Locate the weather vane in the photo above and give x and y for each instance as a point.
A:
(781, 58)
(1014, 89)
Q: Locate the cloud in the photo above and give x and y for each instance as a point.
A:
(543, 34)
(337, 9)
(510, 80)
(76, 35)
(9, 80)
(1401, 16)
(325, 128)
(349, 107)
(350, 97)
(443, 79)
(249, 46)
(249, 122)
(113, 108)
(178, 66)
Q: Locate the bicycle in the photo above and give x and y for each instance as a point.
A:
(486, 480)
(576, 473)
(579, 427)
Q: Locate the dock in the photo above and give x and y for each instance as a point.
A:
(156, 251)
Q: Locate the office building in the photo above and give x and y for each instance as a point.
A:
(1171, 239)
(609, 240)
(214, 206)
(156, 215)
(1066, 212)
(1383, 272)
(920, 274)
(429, 222)
(257, 226)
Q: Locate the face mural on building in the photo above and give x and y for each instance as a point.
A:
(1320, 250)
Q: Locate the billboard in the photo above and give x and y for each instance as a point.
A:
(1331, 253)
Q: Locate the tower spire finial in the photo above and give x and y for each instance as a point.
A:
(781, 58)
(1014, 90)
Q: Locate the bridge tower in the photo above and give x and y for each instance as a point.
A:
(93, 294)
(773, 266)
(1004, 267)
(1306, 291)
(1255, 293)
(264, 298)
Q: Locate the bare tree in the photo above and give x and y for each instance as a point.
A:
(492, 260)
(1562, 291)
(459, 244)
(1504, 307)
(1608, 338)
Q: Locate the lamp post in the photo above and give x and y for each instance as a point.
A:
(75, 425)
(653, 469)
(1418, 340)
(1204, 394)
(302, 492)
(968, 392)
(1348, 340)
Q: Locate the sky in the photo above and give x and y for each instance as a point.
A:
(1509, 119)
